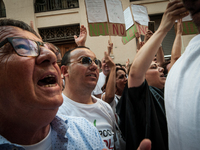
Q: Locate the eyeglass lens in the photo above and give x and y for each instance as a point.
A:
(88, 60)
(25, 47)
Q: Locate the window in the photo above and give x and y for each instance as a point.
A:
(51, 5)
(2, 9)
(60, 33)
(169, 39)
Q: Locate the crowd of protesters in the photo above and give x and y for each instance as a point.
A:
(148, 104)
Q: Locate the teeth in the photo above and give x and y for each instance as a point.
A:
(50, 85)
(92, 75)
(49, 76)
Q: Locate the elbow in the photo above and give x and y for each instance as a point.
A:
(176, 58)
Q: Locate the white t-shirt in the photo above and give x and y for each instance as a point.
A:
(182, 99)
(96, 113)
(45, 144)
(101, 81)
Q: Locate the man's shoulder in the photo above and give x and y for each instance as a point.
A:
(77, 123)
(103, 104)
(78, 131)
(70, 119)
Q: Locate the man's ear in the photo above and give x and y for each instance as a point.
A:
(64, 70)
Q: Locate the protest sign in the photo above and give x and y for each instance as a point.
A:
(188, 26)
(105, 17)
(136, 20)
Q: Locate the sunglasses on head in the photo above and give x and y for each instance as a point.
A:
(88, 61)
(29, 48)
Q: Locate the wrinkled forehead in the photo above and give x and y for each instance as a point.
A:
(11, 31)
(80, 52)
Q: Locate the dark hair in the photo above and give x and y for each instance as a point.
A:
(164, 65)
(19, 24)
(118, 64)
(66, 57)
(107, 77)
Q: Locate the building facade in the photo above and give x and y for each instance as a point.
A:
(58, 21)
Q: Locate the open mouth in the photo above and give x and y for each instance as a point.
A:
(92, 75)
(48, 81)
(162, 75)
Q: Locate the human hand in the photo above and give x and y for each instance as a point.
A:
(31, 24)
(145, 145)
(108, 60)
(179, 27)
(110, 47)
(175, 11)
(127, 63)
(80, 41)
(148, 34)
(137, 35)
(140, 45)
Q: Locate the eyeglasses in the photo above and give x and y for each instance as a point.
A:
(29, 48)
(88, 61)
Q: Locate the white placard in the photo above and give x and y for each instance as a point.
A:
(140, 14)
(187, 18)
(115, 11)
(128, 18)
(96, 11)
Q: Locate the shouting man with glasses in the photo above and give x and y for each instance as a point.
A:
(30, 95)
(80, 68)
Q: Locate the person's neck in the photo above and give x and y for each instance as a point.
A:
(105, 73)
(118, 92)
(23, 135)
(83, 97)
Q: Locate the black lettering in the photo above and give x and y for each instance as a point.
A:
(100, 132)
(105, 133)
(109, 132)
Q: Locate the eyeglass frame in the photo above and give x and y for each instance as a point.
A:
(9, 40)
(81, 58)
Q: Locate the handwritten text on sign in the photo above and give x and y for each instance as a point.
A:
(130, 33)
(96, 29)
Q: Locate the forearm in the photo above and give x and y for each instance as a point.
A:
(144, 58)
(137, 43)
(110, 87)
(160, 56)
(176, 49)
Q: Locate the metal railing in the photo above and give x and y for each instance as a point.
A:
(51, 5)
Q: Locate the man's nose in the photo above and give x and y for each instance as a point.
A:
(93, 66)
(160, 69)
(46, 55)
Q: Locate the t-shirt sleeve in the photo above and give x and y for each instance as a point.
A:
(97, 90)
